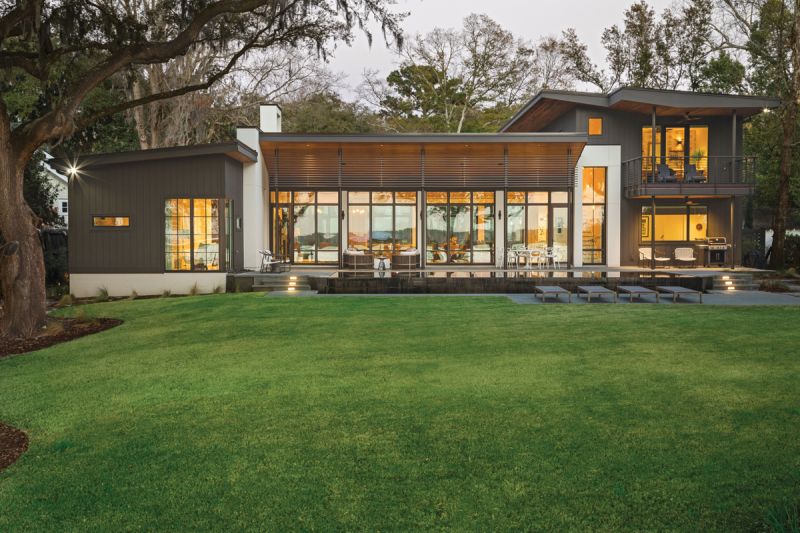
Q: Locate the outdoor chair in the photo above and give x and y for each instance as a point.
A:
(665, 174)
(693, 175)
(358, 259)
(685, 256)
(645, 256)
(268, 261)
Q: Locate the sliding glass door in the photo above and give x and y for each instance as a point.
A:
(305, 226)
(538, 219)
(460, 227)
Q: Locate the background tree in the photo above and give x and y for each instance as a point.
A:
(447, 79)
(40, 193)
(767, 32)
(64, 50)
(326, 112)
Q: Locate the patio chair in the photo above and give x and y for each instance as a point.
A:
(645, 256)
(693, 175)
(268, 261)
(685, 256)
(665, 174)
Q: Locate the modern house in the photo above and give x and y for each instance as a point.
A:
(607, 180)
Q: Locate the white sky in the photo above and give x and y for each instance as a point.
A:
(529, 19)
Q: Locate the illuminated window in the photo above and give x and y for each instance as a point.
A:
(460, 227)
(595, 126)
(192, 234)
(675, 223)
(384, 225)
(594, 215)
(111, 222)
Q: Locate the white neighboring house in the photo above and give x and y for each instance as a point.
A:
(61, 184)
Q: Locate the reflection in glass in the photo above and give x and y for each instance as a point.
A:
(436, 197)
(538, 197)
(358, 197)
(405, 197)
(515, 197)
(459, 243)
(436, 233)
(405, 227)
(561, 233)
(304, 240)
(381, 233)
(515, 221)
(460, 197)
(304, 197)
(537, 226)
(358, 227)
(327, 233)
(483, 234)
(381, 197)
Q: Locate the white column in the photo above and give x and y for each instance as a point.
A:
(254, 204)
(500, 229)
(421, 244)
(577, 213)
(345, 207)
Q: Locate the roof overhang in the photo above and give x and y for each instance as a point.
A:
(233, 149)
(548, 105)
(422, 138)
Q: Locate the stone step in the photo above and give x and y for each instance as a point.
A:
(284, 287)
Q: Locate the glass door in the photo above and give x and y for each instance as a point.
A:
(460, 227)
(305, 226)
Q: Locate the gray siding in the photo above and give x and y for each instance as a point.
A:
(138, 190)
(718, 226)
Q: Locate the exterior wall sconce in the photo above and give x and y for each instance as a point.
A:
(342, 214)
(499, 214)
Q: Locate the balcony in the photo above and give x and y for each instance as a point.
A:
(688, 176)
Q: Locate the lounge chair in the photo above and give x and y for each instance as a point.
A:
(406, 260)
(358, 259)
(268, 261)
(685, 256)
(552, 290)
(595, 290)
(680, 291)
(634, 291)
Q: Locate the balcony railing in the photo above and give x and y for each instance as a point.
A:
(684, 175)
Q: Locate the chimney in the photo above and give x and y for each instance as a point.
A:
(270, 115)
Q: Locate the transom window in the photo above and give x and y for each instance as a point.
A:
(192, 234)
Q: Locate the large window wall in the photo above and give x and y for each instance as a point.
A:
(192, 234)
(538, 219)
(382, 222)
(593, 213)
(460, 227)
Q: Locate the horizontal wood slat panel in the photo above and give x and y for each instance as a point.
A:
(417, 166)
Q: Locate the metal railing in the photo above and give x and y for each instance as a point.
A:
(688, 171)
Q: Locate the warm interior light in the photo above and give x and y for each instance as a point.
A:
(292, 283)
(731, 288)
(291, 289)
(728, 283)
(726, 277)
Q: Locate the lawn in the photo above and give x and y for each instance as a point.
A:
(449, 413)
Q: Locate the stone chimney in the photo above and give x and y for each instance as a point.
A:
(270, 115)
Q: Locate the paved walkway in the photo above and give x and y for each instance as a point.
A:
(709, 298)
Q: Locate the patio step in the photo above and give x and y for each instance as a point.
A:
(734, 281)
(291, 283)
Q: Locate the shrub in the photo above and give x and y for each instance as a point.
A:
(218, 289)
(166, 294)
(774, 285)
(133, 295)
(195, 290)
(65, 301)
(102, 295)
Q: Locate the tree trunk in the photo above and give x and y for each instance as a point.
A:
(22, 276)
(789, 124)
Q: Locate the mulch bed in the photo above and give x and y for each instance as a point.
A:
(58, 330)
(13, 443)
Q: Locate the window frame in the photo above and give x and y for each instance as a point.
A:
(394, 204)
(589, 126)
(471, 203)
(222, 252)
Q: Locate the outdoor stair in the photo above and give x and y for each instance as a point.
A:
(734, 281)
(281, 283)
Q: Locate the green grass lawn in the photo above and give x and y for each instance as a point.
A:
(448, 413)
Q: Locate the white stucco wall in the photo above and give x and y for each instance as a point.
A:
(88, 285)
(254, 202)
(600, 156)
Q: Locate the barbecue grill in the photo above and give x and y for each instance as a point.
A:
(716, 251)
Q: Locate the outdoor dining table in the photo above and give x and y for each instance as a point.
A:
(525, 252)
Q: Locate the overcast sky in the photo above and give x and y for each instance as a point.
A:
(529, 19)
